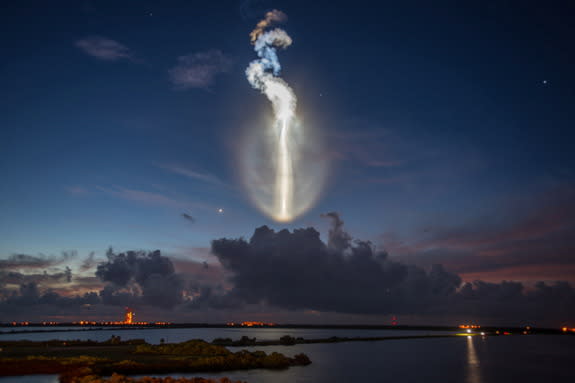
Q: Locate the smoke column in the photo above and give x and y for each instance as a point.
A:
(263, 74)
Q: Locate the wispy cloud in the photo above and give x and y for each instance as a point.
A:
(147, 197)
(40, 261)
(198, 70)
(541, 236)
(103, 48)
(76, 189)
(365, 143)
(186, 172)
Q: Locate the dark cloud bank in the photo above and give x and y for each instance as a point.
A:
(298, 271)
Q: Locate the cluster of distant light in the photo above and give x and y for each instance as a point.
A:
(281, 181)
(470, 330)
(120, 323)
(90, 323)
(468, 326)
(250, 324)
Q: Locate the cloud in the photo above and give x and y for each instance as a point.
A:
(45, 278)
(137, 276)
(198, 70)
(542, 235)
(103, 48)
(30, 295)
(189, 218)
(297, 270)
(76, 190)
(343, 276)
(193, 174)
(151, 198)
(366, 144)
(89, 262)
(26, 261)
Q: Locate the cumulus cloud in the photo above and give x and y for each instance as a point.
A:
(297, 270)
(198, 70)
(103, 48)
(137, 274)
(280, 270)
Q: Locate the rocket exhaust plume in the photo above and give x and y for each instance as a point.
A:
(286, 151)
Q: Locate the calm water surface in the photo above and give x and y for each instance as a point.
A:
(515, 358)
(208, 334)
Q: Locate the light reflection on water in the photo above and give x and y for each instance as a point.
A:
(209, 334)
(502, 359)
(473, 370)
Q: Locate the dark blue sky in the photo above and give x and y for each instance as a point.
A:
(440, 118)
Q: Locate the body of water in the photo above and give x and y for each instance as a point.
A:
(497, 359)
(153, 335)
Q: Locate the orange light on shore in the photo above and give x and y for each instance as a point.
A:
(469, 326)
(129, 316)
(250, 324)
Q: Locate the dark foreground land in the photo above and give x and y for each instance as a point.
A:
(79, 361)
(117, 378)
(86, 361)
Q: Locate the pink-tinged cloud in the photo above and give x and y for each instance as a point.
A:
(193, 174)
(103, 48)
(542, 239)
(367, 148)
(198, 70)
(76, 190)
(150, 198)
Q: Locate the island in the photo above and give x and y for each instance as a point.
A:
(79, 361)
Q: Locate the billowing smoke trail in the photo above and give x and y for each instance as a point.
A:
(263, 75)
(271, 17)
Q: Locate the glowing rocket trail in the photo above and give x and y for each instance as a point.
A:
(263, 75)
(284, 182)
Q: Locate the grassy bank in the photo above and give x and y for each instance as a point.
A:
(116, 378)
(288, 340)
(74, 359)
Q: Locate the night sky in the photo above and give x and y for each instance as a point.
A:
(447, 127)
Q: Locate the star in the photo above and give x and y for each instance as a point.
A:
(544, 82)
(220, 210)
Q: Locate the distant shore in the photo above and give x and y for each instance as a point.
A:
(18, 329)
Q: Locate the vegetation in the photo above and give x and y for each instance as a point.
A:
(288, 340)
(89, 360)
(191, 347)
(117, 378)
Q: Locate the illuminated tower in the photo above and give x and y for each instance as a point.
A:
(129, 316)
